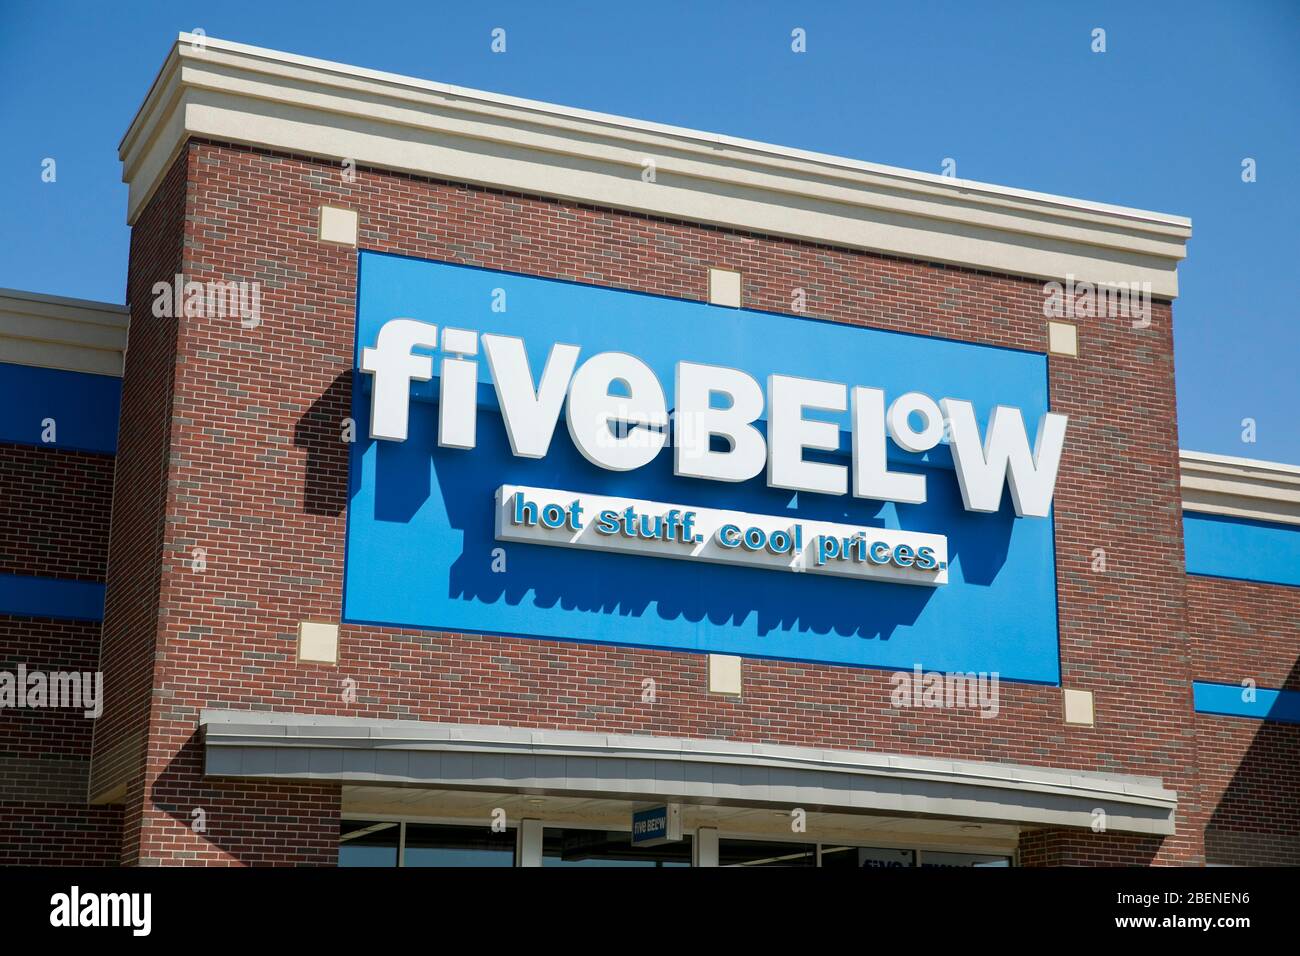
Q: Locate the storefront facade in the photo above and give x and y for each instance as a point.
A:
(482, 474)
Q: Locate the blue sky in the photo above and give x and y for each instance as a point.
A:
(1162, 120)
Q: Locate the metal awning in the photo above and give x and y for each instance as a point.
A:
(355, 750)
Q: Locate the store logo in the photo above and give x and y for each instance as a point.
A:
(618, 418)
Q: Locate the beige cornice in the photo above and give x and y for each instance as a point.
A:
(1240, 487)
(53, 332)
(232, 92)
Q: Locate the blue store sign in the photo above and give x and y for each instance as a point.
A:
(657, 825)
(530, 451)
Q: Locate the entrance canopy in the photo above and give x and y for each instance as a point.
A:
(354, 750)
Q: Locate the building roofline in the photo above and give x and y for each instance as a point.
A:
(51, 331)
(1258, 465)
(234, 92)
(630, 123)
(1240, 487)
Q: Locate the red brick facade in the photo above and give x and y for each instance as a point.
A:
(256, 478)
(132, 610)
(229, 512)
(54, 519)
(1248, 771)
(59, 834)
(54, 512)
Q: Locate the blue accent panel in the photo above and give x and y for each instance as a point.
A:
(24, 596)
(1225, 547)
(83, 406)
(420, 518)
(1225, 699)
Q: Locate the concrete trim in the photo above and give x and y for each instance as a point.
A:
(1240, 487)
(273, 100)
(51, 331)
(284, 746)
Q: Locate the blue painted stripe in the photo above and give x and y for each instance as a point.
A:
(84, 408)
(1226, 699)
(1224, 547)
(24, 596)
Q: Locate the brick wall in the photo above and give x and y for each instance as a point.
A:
(45, 756)
(54, 518)
(132, 610)
(1249, 773)
(1082, 848)
(45, 752)
(54, 511)
(256, 476)
(59, 834)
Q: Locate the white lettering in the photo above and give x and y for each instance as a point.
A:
(789, 433)
(529, 414)
(617, 417)
(698, 422)
(592, 411)
(394, 367)
(871, 475)
(1005, 454)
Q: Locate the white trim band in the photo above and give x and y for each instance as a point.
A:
(1240, 487)
(50, 331)
(264, 98)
